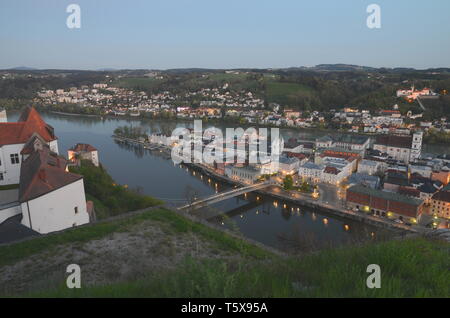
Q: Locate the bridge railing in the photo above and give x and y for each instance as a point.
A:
(228, 193)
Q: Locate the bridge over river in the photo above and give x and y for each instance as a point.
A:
(225, 195)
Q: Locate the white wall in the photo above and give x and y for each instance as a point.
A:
(10, 211)
(11, 172)
(3, 116)
(54, 146)
(401, 154)
(55, 211)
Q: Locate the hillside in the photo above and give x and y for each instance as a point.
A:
(160, 253)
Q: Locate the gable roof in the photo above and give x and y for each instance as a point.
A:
(30, 122)
(83, 148)
(34, 143)
(43, 172)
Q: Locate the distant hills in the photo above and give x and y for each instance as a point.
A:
(320, 67)
(22, 68)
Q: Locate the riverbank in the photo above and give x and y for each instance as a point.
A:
(276, 192)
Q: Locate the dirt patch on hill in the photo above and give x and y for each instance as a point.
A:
(146, 248)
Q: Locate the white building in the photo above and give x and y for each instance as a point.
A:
(424, 171)
(402, 148)
(245, 174)
(51, 199)
(47, 197)
(288, 165)
(311, 171)
(84, 152)
(370, 167)
(346, 142)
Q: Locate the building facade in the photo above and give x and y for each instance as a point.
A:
(401, 148)
(385, 204)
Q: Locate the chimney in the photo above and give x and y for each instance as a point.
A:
(42, 175)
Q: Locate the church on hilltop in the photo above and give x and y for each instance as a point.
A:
(37, 191)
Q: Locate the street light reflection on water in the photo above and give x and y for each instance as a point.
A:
(281, 224)
(277, 223)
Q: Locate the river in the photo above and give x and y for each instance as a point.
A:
(283, 226)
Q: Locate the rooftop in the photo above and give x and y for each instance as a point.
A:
(30, 123)
(43, 172)
(442, 196)
(391, 196)
(394, 141)
(83, 148)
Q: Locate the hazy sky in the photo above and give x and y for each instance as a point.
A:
(164, 34)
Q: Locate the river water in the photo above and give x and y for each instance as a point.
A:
(284, 226)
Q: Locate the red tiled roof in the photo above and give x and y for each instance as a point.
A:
(331, 170)
(83, 147)
(409, 192)
(296, 155)
(30, 122)
(42, 173)
(442, 196)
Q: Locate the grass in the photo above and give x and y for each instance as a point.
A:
(169, 220)
(282, 92)
(409, 268)
(9, 187)
(110, 198)
(137, 82)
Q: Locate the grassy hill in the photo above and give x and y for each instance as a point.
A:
(160, 253)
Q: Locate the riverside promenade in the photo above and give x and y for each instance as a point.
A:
(276, 192)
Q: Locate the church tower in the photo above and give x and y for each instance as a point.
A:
(416, 146)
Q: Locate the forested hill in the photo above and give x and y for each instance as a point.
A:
(323, 87)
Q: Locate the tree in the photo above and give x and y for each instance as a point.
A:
(288, 183)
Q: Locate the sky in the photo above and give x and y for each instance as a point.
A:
(165, 34)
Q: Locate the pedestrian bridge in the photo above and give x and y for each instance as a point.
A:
(225, 195)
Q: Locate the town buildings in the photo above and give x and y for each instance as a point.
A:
(413, 94)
